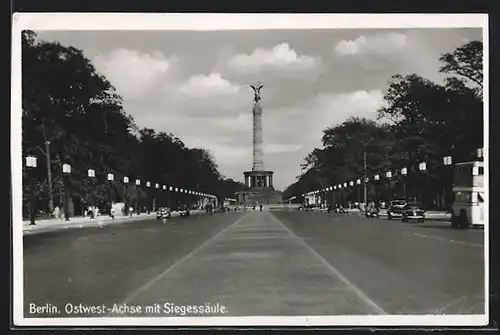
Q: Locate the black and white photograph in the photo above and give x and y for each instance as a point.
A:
(250, 169)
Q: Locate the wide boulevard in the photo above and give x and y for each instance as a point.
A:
(255, 263)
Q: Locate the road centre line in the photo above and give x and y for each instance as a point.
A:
(180, 261)
(333, 271)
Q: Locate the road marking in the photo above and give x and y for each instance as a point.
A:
(449, 240)
(259, 237)
(336, 273)
(180, 261)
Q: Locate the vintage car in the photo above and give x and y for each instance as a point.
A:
(396, 209)
(162, 213)
(413, 211)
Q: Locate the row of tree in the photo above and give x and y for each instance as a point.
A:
(72, 114)
(421, 121)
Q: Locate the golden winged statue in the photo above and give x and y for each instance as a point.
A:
(256, 90)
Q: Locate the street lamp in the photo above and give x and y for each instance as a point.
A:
(91, 174)
(447, 161)
(66, 169)
(479, 153)
(126, 205)
(404, 172)
(31, 161)
(423, 167)
(137, 203)
(110, 178)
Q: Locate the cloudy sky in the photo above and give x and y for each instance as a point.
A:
(196, 84)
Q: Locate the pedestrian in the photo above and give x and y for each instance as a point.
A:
(57, 212)
(131, 210)
(260, 206)
(112, 211)
(90, 212)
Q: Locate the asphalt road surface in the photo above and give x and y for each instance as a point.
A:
(255, 263)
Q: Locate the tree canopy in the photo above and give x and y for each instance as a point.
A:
(73, 108)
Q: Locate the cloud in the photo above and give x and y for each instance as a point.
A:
(207, 86)
(133, 72)
(309, 119)
(279, 57)
(377, 43)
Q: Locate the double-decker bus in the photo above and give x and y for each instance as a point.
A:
(468, 188)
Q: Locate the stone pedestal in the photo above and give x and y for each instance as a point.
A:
(259, 179)
(260, 189)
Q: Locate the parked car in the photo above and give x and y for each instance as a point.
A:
(413, 211)
(396, 209)
(184, 211)
(163, 212)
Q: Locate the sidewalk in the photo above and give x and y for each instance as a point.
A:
(434, 215)
(428, 214)
(82, 222)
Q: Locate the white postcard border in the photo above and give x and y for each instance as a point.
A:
(205, 22)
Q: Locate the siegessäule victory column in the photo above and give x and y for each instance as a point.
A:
(259, 180)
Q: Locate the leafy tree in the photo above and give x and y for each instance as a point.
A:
(466, 62)
(425, 121)
(73, 114)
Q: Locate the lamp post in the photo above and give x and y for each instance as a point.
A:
(388, 175)
(365, 188)
(49, 176)
(110, 179)
(148, 197)
(91, 175)
(358, 182)
(169, 197)
(447, 161)
(157, 186)
(125, 195)
(66, 169)
(423, 168)
(31, 163)
(138, 204)
(404, 172)
(376, 190)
